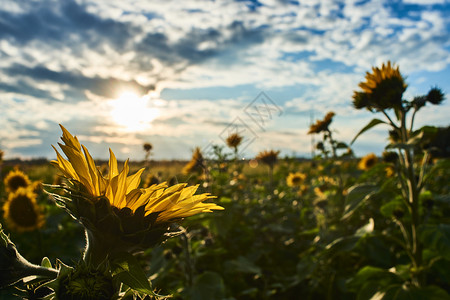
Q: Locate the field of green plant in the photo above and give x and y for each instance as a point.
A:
(333, 227)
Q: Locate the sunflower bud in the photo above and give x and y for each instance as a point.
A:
(86, 283)
(435, 96)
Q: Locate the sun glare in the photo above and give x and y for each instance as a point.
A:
(132, 112)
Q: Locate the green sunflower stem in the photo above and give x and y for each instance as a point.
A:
(413, 199)
(96, 251)
(35, 270)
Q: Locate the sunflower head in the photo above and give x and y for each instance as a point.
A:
(389, 171)
(390, 156)
(419, 102)
(234, 140)
(147, 147)
(320, 146)
(268, 157)
(367, 161)
(295, 179)
(21, 211)
(16, 179)
(196, 164)
(150, 180)
(382, 89)
(435, 96)
(394, 136)
(322, 125)
(117, 214)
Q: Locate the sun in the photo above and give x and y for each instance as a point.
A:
(131, 112)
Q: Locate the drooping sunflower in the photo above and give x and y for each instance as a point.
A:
(150, 180)
(21, 211)
(390, 156)
(117, 214)
(367, 161)
(234, 140)
(16, 179)
(382, 89)
(322, 125)
(295, 179)
(268, 157)
(196, 164)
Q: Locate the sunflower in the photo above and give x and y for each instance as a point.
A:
(390, 156)
(196, 164)
(150, 180)
(117, 215)
(382, 89)
(295, 179)
(22, 212)
(16, 179)
(268, 157)
(322, 125)
(389, 171)
(234, 140)
(435, 96)
(367, 161)
(147, 147)
(302, 190)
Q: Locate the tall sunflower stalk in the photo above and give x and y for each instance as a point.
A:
(381, 92)
(323, 126)
(269, 158)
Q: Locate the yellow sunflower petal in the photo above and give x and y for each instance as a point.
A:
(113, 170)
(133, 181)
(93, 171)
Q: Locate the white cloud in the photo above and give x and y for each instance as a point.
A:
(204, 44)
(425, 2)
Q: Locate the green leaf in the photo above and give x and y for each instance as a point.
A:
(368, 228)
(341, 145)
(400, 146)
(372, 274)
(441, 164)
(374, 248)
(242, 265)
(402, 292)
(305, 267)
(340, 246)
(395, 204)
(126, 269)
(46, 263)
(207, 286)
(356, 196)
(368, 290)
(437, 237)
(371, 124)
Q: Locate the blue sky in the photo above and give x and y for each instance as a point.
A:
(181, 74)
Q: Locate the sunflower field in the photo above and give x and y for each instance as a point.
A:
(332, 227)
